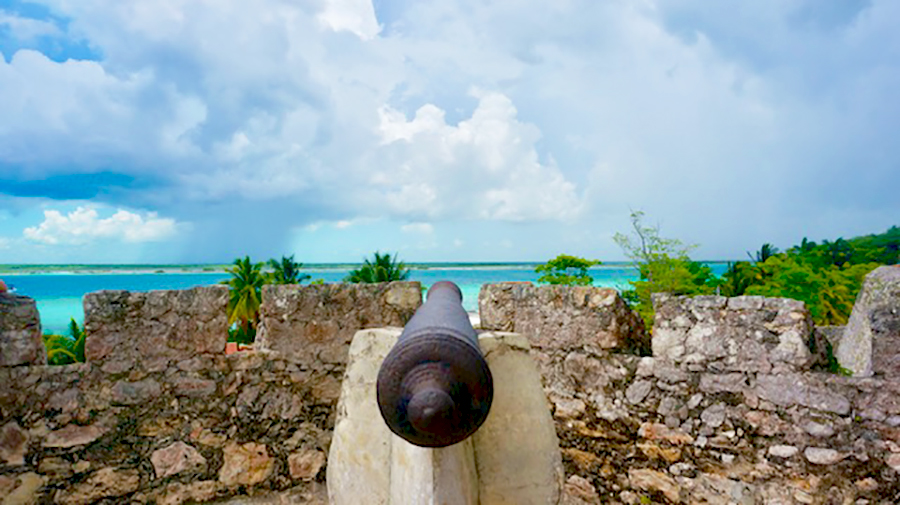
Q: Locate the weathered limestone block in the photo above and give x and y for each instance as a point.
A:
(562, 317)
(789, 390)
(741, 334)
(23, 490)
(20, 332)
(176, 458)
(105, 483)
(519, 429)
(73, 436)
(248, 464)
(515, 453)
(423, 475)
(360, 453)
(871, 339)
(305, 465)
(13, 444)
(127, 328)
(314, 324)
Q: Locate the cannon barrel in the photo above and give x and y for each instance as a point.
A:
(434, 387)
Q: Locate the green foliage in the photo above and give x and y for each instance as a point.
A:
(65, 349)
(383, 268)
(566, 270)
(828, 290)
(765, 252)
(241, 335)
(244, 299)
(286, 271)
(664, 267)
(739, 276)
(826, 276)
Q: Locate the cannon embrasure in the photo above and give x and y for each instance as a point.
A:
(434, 387)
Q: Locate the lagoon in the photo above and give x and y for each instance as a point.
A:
(58, 295)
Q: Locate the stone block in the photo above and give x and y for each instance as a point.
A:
(105, 483)
(358, 460)
(128, 328)
(245, 464)
(176, 458)
(315, 324)
(20, 332)
(23, 490)
(871, 340)
(305, 465)
(13, 444)
(562, 317)
(73, 436)
(516, 449)
(741, 334)
(806, 390)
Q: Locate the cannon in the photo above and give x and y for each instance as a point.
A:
(434, 388)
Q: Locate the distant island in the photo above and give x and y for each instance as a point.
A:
(199, 268)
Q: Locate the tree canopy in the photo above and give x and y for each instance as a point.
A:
(382, 268)
(566, 270)
(286, 271)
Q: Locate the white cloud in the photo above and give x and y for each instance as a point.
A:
(26, 29)
(84, 225)
(5, 243)
(355, 16)
(318, 111)
(485, 167)
(419, 228)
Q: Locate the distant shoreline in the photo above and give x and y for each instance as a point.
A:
(150, 269)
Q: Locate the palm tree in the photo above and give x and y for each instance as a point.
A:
(246, 283)
(737, 278)
(286, 271)
(765, 252)
(840, 251)
(63, 350)
(807, 245)
(382, 269)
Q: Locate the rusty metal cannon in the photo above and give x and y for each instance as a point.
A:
(434, 388)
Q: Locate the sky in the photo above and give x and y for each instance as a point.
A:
(193, 131)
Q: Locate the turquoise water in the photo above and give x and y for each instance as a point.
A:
(58, 296)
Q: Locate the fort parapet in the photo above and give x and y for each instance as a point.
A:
(728, 403)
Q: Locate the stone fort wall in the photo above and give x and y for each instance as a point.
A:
(729, 407)
(724, 405)
(159, 413)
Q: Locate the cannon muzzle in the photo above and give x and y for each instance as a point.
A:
(434, 387)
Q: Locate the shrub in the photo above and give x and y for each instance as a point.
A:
(566, 270)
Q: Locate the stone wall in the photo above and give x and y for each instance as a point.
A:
(298, 320)
(149, 329)
(202, 428)
(725, 411)
(872, 335)
(159, 414)
(20, 332)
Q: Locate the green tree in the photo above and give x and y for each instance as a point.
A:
(765, 252)
(739, 276)
(286, 271)
(382, 268)
(66, 349)
(664, 267)
(245, 286)
(566, 270)
(828, 291)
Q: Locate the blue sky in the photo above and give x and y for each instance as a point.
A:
(187, 131)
